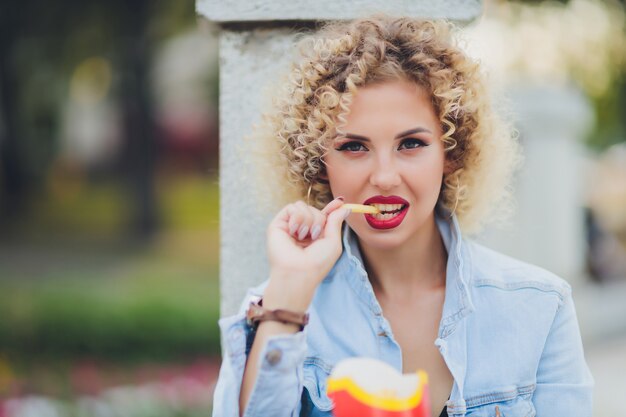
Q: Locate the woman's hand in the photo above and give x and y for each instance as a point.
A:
(303, 244)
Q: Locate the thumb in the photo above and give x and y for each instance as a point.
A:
(334, 220)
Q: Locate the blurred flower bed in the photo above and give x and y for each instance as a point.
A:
(153, 390)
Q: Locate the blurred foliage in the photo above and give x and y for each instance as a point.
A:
(41, 45)
(98, 296)
(78, 280)
(98, 211)
(190, 204)
(610, 111)
(123, 319)
(579, 43)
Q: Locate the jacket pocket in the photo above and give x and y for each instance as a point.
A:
(510, 403)
(316, 373)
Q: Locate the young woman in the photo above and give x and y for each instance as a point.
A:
(390, 112)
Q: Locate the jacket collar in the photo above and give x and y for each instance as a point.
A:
(457, 304)
(458, 300)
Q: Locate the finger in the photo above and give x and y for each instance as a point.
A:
(281, 220)
(295, 217)
(334, 222)
(305, 223)
(319, 221)
(333, 205)
(289, 218)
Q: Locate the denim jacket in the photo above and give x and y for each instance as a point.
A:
(508, 334)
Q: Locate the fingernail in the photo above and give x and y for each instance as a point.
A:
(315, 232)
(293, 228)
(303, 231)
(340, 198)
(347, 213)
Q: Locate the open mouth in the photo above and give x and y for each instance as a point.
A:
(393, 210)
(387, 211)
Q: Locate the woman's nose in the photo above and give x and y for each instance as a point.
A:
(385, 175)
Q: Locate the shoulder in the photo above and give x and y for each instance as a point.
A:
(493, 269)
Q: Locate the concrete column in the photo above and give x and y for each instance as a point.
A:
(548, 228)
(256, 39)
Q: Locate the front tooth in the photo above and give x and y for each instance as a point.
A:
(387, 207)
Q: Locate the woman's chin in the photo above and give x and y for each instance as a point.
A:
(388, 239)
(382, 240)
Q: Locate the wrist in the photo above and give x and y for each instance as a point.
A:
(288, 293)
(258, 313)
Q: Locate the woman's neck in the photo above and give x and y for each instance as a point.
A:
(402, 273)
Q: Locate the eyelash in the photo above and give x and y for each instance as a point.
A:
(345, 146)
(419, 142)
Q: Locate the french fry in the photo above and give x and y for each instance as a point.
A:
(361, 208)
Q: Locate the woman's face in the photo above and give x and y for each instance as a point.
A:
(391, 154)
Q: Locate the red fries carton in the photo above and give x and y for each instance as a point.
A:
(365, 387)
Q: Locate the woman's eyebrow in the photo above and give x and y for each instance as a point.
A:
(398, 136)
(357, 137)
(412, 131)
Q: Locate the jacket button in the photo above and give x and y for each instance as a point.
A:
(273, 356)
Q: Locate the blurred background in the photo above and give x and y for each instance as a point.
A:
(108, 208)
(109, 203)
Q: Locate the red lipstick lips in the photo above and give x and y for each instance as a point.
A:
(389, 223)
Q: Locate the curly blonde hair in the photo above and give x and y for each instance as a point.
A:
(343, 56)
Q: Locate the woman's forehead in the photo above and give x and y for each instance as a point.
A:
(398, 105)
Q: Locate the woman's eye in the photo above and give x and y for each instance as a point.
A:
(412, 143)
(352, 147)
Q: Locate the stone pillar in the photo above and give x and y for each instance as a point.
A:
(256, 38)
(548, 227)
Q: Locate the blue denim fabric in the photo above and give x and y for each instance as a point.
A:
(508, 334)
